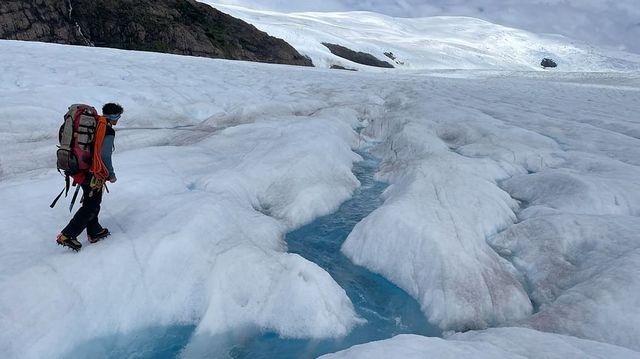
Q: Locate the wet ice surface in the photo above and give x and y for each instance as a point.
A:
(387, 309)
(158, 343)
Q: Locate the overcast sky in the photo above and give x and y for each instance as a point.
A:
(610, 23)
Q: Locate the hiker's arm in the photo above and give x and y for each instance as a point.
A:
(107, 150)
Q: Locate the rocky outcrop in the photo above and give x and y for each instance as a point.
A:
(362, 58)
(393, 57)
(340, 67)
(183, 27)
(38, 20)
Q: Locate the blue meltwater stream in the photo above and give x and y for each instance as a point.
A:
(387, 309)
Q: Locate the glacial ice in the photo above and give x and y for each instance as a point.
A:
(494, 343)
(525, 192)
(513, 201)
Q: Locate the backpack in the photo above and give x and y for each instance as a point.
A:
(77, 137)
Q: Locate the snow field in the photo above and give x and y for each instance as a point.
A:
(601, 22)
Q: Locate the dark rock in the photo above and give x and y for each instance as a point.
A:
(183, 27)
(390, 55)
(38, 20)
(338, 67)
(546, 62)
(362, 58)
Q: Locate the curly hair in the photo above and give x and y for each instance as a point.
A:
(112, 109)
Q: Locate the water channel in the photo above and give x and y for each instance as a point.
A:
(387, 309)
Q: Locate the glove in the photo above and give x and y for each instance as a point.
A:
(96, 184)
(113, 179)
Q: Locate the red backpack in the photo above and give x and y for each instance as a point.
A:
(76, 139)
(80, 140)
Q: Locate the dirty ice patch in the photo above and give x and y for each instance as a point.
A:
(577, 245)
(429, 236)
(531, 151)
(421, 240)
(582, 271)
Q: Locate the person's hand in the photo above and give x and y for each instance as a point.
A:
(96, 184)
(113, 179)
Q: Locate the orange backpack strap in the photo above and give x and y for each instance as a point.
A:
(98, 167)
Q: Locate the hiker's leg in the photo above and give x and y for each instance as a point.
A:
(86, 213)
(93, 225)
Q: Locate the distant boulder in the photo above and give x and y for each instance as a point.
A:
(547, 62)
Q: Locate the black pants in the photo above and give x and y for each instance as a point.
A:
(87, 215)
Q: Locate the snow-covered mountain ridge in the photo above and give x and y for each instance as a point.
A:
(441, 42)
(612, 24)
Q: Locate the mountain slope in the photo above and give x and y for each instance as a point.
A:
(183, 27)
(613, 24)
(430, 43)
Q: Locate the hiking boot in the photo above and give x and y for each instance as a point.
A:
(70, 242)
(98, 236)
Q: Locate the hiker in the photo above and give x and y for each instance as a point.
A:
(91, 180)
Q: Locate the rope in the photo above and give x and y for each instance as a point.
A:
(98, 167)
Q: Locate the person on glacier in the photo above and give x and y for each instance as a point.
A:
(91, 180)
